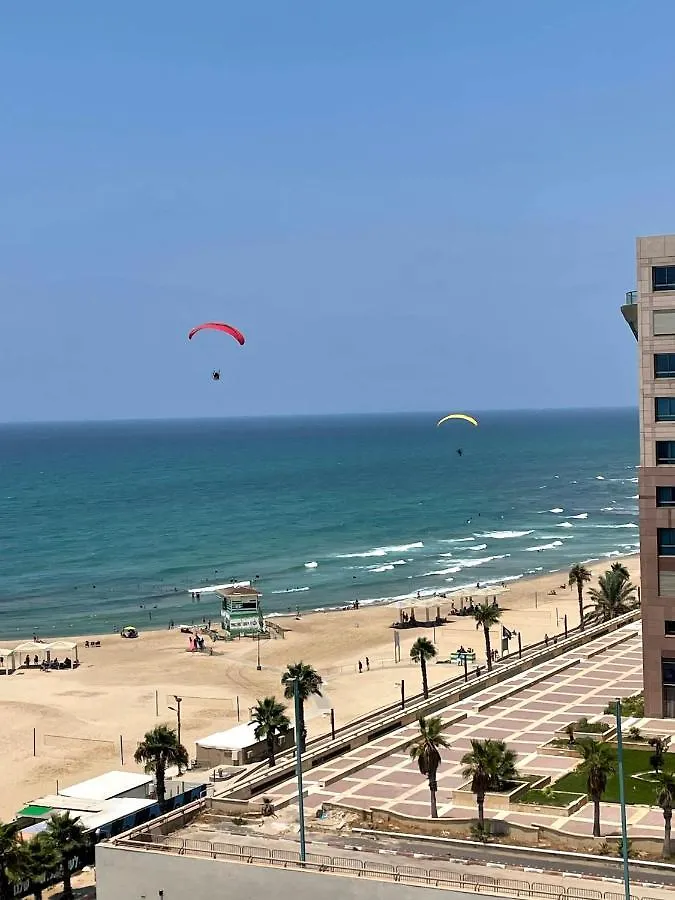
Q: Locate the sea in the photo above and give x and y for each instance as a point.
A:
(104, 525)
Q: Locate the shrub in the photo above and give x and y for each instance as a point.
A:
(482, 833)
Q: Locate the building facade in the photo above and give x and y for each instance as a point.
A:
(650, 312)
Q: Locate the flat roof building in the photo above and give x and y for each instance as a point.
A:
(112, 784)
(650, 313)
(237, 746)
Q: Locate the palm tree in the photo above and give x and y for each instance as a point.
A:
(158, 750)
(613, 596)
(660, 746)
(309, 682)
(487, 615)
(12, 860)
(425, 749)
(489, 764)
(68, 839)
(270, 721)
(599, 762)
(40, 858)
(621, 570)
(665, 795)
(579, 574)
(420, 652)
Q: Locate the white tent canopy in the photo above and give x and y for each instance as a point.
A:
(31, 648)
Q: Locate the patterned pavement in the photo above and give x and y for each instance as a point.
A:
(524, 711)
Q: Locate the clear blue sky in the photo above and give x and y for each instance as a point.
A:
(404, 205)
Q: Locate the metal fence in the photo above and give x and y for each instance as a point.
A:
(359, 868)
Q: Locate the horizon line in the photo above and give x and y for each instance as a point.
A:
(332, 415)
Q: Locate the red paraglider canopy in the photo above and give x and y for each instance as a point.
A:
(220, 326)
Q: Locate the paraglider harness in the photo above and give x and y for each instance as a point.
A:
(215, 375)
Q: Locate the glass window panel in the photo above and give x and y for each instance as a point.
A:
(668, 671)
(659, 275)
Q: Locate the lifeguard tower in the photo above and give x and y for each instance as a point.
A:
(240, 611)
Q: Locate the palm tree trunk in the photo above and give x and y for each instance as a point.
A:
(425, 684)
(270, 749)
(67, 887)
(596, 817)
(488, 648)
(161, 788)
(480, 800)
(433, 787)
(580, 590)
(4, 883)
(667, 816)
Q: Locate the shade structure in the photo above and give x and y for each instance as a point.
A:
(62, 646)
(8, 658)
(478, 592)
(31, 647)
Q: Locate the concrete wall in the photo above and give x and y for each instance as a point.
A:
(123, 874)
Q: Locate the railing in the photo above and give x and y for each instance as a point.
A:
(360, 868)
(631, 298)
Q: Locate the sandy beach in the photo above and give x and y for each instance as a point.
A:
(80, 715)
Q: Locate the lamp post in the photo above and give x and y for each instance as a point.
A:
(176, 709)
(258, 666)
(298, 767)
(622, 801)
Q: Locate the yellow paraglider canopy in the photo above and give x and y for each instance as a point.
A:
(464, 416)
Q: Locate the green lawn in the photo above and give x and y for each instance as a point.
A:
(637, 791)
(555, 798)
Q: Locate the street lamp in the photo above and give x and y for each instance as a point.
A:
(622, 800)
(176, 709)
(298, 765)
(258, 666)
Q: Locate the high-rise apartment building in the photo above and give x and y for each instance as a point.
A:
(650, 312)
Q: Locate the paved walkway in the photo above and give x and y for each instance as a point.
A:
(525, 711)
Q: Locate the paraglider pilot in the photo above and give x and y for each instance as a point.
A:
(215, 375)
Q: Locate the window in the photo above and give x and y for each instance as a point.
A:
(663, 278)
(668, 671)
(665, 453)
(663, 322)
(665, 496)
(666, 541)
(664, 409)
(666, 584)
(664, 365)
(670, 628)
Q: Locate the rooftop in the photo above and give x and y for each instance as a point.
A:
(111, 784)
(236, 738)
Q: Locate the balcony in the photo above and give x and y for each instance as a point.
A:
(629, 309)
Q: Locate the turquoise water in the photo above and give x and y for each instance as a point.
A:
(103, 525)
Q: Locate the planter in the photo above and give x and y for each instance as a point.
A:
(606, 735)
(494, 801)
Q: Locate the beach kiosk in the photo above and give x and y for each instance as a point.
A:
(238, 746)
(240, 611)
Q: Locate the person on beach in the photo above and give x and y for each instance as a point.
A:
(360, 667)
(367, 664)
